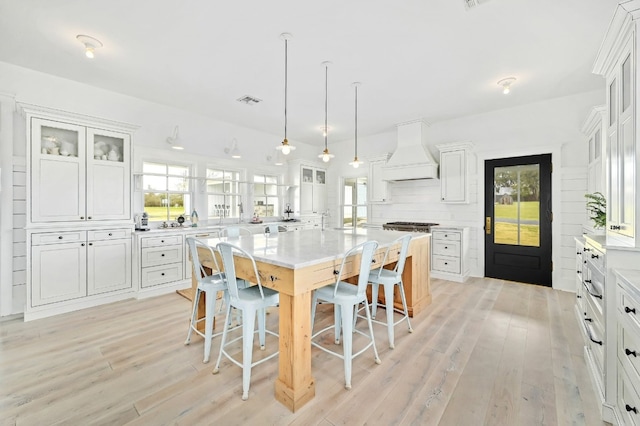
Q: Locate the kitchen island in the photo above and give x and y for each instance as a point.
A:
(296, 263)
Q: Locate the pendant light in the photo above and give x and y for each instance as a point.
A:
(356, 163)
(284, 146)
(326, 156)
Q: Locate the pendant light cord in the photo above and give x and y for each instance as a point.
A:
(326, 130)
(356, 130)
(285, 87)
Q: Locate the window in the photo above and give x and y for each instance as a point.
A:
(354, 206)
(166, 189)
(223, 193)
(265, 195)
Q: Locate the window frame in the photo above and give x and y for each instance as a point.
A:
(354, 206)
(187, 195)
(234, 208)
(278, 196)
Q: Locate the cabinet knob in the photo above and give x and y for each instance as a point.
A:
(579, 272)
(586, 249)
(110, 234)
(162, 241)
(446, 263)
(629, 310)
(82, 244)
(162, 255)
(89, 217)
(615, 227)
(445, 247)
(60, 237)
(630, 352)
(90, 244)
(630, 408)
(162, 274)
(595, 256)
(82, 217)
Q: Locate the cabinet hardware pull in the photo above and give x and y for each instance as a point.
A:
(162, 274)
(162, 241)
(586, 249)
(82, 244)
(597, 342)
(162, 255)
(373, 261)
(89, 217)
(336, 272)
(82, 217)
(445, 247)
(630, 408)
(446, 263)
(90, 244)
(110, 234)
(578, 272)
(595, 256)
(615, 227)
(629, 310)
(630, 352)
(578, 253)
(579, 297)
(60, 237)
(588, 319)
(587, 281)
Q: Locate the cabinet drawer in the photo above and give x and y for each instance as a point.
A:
(594, 308)
(628, 398)
(166, 240)
(446, 248)
(446, 235)
(446, 264)
(160, 255)
(58, 237)
(594, 258)
(156, 275)
(629, 351)
(595, 336)
(629, 307)
(109, 234)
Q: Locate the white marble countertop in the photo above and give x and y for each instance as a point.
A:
(196, 229)
(295, 250)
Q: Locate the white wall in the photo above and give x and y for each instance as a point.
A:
(552, 126)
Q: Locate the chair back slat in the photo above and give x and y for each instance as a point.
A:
(198, 267)
(228, 252)
(234, 231)
(367, 250)
(404, 250)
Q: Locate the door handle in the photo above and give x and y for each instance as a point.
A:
(487, 225)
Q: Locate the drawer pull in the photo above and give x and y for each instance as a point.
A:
(615, 227)
(60, 237)
(90, 244)
(586, 249)
(162, 255)
(445, 247)
(89, 217)
(373, 261)
(82, 217)
(629, 310)
(162, 274)
(630, 408)
(578, 272)
(162, 241)
(446, 263)
(595, 256)
(587, 281)
(630, 352)
(597, 342)
(336, 272)
(578, 296)
(588, 319)
(110, 234)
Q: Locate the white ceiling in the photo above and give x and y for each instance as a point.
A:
(429, 59)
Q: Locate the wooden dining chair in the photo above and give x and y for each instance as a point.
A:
(251, 301)
(346, 297)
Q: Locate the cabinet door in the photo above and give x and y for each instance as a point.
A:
(108, 175)
(57, 171)
(378, 187)
(453, 176)
(58, 272)
(108, 265)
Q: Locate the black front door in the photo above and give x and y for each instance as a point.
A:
(518, 219)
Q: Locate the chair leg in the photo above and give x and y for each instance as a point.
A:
(404, 306)
(248, 324)
(337, 321)
(374, 299)
(225, 330)
(314, 303)
(210, 303)
(388, 300)
(373, 341)
(194, 314)
(347, 341)
(262, 319)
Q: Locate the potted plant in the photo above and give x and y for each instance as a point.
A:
(597, 208)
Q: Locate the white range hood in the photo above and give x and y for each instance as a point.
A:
(411, 160)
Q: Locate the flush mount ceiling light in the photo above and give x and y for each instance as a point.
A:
(234, 151)
(284, 146)
(356, 163)
(90, 44)
(506, 84)
(175, 141)
(326, 156)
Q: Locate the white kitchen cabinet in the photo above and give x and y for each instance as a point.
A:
(313, 190)
(78, 173)
(616, 62)
(377, 186)
(161, 260)
(450, 253)
(77, 264)
(454, 172)
(594, 129)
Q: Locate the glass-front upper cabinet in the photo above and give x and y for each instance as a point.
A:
(78, 173)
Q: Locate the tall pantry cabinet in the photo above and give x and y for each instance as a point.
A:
(79, 222)
(617, 63)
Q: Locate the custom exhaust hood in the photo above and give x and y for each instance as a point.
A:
(411, 160)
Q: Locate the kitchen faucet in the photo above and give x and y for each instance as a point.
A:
(240, 212)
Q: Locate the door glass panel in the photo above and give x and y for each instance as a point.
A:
(354, 210)
(517, 205)
(598, 145)
(626, 83)
(57, 141)
(613, 105)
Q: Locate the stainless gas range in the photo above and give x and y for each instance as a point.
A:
(409, 226)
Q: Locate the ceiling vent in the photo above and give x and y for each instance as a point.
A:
(470, 4)
(249, 100)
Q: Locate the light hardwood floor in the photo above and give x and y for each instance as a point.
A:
(485, 352)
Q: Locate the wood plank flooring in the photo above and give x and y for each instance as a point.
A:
(485, 352)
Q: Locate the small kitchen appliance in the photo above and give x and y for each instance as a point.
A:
(142, 222)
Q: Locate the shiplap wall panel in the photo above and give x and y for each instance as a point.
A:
(573, 187)
(19, 236)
